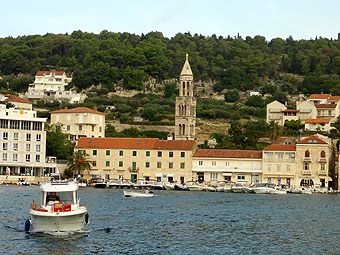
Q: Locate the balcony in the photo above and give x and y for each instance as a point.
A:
(322, 160)
(133, 170)
(306, 172)
(307, 159)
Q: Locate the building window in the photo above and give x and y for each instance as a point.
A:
(159, 154)
(171, 165)
(94, 152)
(68, 127)
(4, 156)
(213, 177)
(171, 154)
(147, 164)
(16, 136)
(28, 157)
(182, 154)
(147, 153)
(80, 128)
(15, 146)
(323, 167)
(134, 165)
(28, 147)
(278, 168)
(5, 135)
(213, 163)
(200, 163)
(280, 156)
(241, 178)
(92, 128)
(288, 168)
(182, 165)
(94, 163)
(100, 129)
(121, 153)
(269, 168)
(107, 152)
(306, 166)
(107, 163)
(15, 157)
(159, 164)
(5, 146)
(38, 137)
(120, 164)
(307, 154)
(37, 158)
(134, 153)
(323, 154)
(227, 163)
(28, 137)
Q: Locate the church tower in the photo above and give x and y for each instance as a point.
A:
(185, 113)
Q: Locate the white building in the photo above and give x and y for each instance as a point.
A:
(23, 142)
(50, 86)
(243, 166)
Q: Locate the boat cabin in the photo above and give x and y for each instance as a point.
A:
(59, 192)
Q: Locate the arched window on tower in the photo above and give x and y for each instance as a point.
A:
(185, 110)
(183, 92)
(188, 86)
(307, 154)
(323, 154)
(183, 129)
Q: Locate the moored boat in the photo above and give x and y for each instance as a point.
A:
(193, 186)
(138, 193)
(60, 210)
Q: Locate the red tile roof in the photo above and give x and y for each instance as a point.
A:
(317, 121)
(174, 145)
(290, 111)
(78, 110)
(325, 105)
(319, 96)
(334, 98)
(12, 98)
(280, 147)
(211, 153)
(42, 73)
(312, 140)
(133, 143)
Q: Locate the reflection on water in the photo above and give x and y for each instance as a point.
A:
(180, 223)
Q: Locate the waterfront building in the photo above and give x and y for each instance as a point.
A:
(50, 86)
(138, 158)
(185, 111)
(23, 142)
(279, 165)
(17, 102)
(80, 122)
(306, 163)
(242, 166)
(317, 107)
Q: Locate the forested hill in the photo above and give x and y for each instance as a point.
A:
(233, 63)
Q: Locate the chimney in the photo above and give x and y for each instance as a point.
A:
(95, 108)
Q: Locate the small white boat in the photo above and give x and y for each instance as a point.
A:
(209, 188)
(169, 186)
(194, 187)
(60, 211)
(238, 188)
(137, 193)
(268, 188)
(23, 182)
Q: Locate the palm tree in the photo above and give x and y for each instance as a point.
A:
(79, 162)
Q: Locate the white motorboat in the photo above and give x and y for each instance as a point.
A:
(23, 182)
(169, 186)
(194, 187)
(60, 210)
(209, 188)
(268, 188)
(138, 193)
(238, 188)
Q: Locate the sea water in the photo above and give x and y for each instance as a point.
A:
(180, 223)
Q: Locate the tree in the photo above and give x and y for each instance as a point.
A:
(57, 143)
(231, 96)
(79, 162)
(274, 131)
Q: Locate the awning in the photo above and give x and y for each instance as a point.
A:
(170, 175)
(227, 174)
(330, 178)
(158, 175)
(147, 174)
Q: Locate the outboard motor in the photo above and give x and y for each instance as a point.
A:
(27, 225)
(87, 218)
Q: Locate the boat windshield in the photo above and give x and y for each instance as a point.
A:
(60, 197)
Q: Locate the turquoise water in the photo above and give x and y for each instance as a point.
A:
(181, 223)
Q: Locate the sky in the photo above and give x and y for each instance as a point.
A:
(301, 19)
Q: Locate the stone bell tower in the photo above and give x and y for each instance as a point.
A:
(185, 112)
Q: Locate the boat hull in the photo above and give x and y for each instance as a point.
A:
(131, 193)
(61, 222)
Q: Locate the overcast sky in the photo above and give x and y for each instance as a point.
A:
(302, 19)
